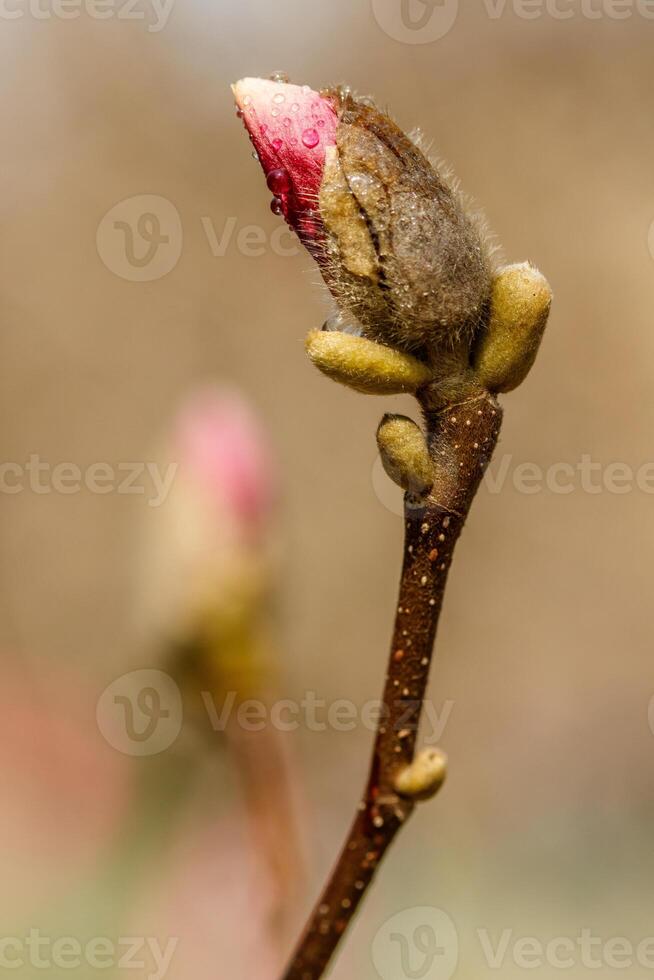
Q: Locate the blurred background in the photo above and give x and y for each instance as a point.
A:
(544, 674)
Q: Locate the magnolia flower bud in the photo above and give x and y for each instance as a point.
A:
(395, 244)
(206, 552)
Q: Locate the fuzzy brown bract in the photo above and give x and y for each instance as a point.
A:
(402, 254)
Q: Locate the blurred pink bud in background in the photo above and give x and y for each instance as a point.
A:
(219, 444)
(205, 549)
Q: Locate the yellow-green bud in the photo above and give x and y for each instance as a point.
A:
(520, 306)
(365, 365)
(424, 777)
(404, 453)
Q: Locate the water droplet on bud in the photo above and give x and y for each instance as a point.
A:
(279, 76)
(310, 138)
(276, 205)
(279, 182)
(279, 97)
(277, 145)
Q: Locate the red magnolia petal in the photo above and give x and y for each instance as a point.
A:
(291, 127)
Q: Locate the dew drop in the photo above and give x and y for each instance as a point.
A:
(321, 122)
(279, 76)
(279, 182)
(263, 128)
(276, 205)
(277, 145)
(287, 121)
(247, 100)
(279, 97)
(295, 107)
(310, 138)
(255, 155)
(275, 112)
(239, 113)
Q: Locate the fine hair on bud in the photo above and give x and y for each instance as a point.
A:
(402, 253)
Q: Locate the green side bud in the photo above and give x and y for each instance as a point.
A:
(404, 453)
(365, 365)
(424, 777)
(520, 305)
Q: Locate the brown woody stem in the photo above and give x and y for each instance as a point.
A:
(461, 441)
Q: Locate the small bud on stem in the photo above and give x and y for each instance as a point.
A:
(405, 454)
(424, 777)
